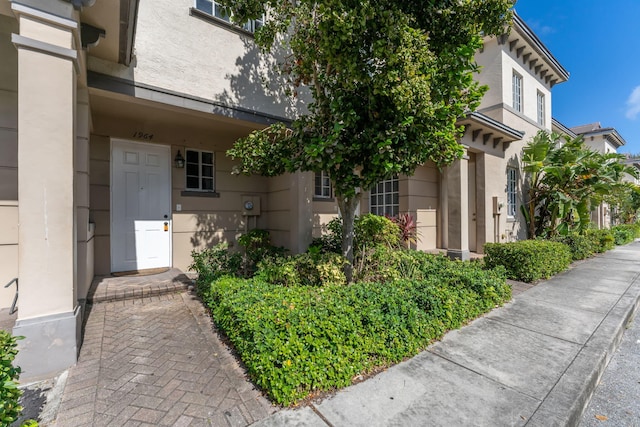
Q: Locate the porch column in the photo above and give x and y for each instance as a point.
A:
(302, 185)
(457, 177)
(48, 314)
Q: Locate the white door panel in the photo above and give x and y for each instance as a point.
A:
(140, 206)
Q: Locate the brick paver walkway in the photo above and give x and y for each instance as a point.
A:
(157, 361)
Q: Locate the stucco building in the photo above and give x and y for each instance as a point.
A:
(114, 122)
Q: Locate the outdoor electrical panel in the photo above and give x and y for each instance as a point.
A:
(250, 205)
(498, 205)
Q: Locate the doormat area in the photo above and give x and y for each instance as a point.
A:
(138, 273)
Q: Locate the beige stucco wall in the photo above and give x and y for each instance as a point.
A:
(498, 64)
(600, 144)
(183, 52)
(201, 221)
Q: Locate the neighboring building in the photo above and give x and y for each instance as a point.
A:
(477, 199)
(114, 126)
(604, 141)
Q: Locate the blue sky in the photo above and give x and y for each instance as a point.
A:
(598, 42)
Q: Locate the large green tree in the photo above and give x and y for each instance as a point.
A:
(566, 180)
(388, 79)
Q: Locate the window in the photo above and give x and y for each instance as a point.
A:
(512, 188)
(199, 168)
(215, 9)
(541, 110)
(384, 197)
(323, 186)
(517, 92)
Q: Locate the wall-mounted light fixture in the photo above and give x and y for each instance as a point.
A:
(179, 160)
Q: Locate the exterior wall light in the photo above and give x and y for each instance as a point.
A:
(179, 160)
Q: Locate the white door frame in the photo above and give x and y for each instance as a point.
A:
(125, 142)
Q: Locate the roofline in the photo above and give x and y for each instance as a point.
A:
(537, 44)
(610, 135)
(493, 124)
(555, 122)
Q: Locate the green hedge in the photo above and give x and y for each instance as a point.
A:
(625, 233)
(602, 240)
(298, 339)
(9, 392)
(581, 246)
(528, 260)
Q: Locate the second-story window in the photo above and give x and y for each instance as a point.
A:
(215, 9)
(517, 92)
(322, 186)
(199, 168)
(541, 109)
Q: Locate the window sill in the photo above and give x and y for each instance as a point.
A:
(219, 22)
(323, 199)
(190, 193)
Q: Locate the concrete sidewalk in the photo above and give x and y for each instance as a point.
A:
(533, 362)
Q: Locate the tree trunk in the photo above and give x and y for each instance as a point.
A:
(347, 208)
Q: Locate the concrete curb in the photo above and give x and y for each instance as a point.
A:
(574, 389)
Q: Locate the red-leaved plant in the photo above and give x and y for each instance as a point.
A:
(408, 227)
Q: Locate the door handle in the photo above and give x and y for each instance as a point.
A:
(166, 216)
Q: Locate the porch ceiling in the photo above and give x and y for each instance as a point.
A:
(108, 108)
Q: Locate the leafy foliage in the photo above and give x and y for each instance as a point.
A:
(257, 246)
(299, 339)
(9, 392)
(373, 230)
(626, 200)
(565, 180)
(408, 228)
(625, 233)
(581, 245)
(389, 79)
(332, 240)
(602, 240)
(303, 270)
(528, 260)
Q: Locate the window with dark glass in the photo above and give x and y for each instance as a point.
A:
(322, 186)
(385, 198)
(199, 170)
(512, 191)
(216, 10)
(517, 91)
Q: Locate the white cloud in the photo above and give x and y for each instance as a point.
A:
(633, 104)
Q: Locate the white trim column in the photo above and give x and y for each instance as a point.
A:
(48, 312)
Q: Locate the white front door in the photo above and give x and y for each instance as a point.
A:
(140, 206)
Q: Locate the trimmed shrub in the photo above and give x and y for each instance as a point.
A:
(373, 230)
(581, 246)
(257, 246)
(296, 339)
(625, 233)
(332, 240)
(528, 260)
(303, 270)
(602, 240)
(9, 392)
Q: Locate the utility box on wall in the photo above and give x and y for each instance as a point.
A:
(498, 205)
(250, 205)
